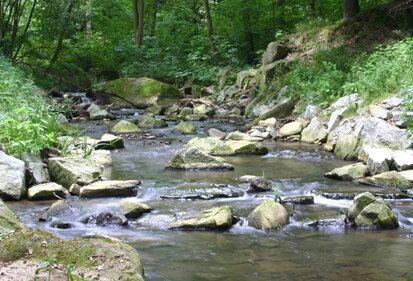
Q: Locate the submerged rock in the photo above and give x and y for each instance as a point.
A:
(47, 191)
(333, 223)
(109, 218)
(58, 208)
(185, 128)
(219, 218)
(194, 159)
(36, 170)
(246, 148)
(349, 172)
(387, 179)
(298, 200)
(69, 170)
(110, 188)
(269, 215)
(12, 177)
(202, 192)
(125, 127)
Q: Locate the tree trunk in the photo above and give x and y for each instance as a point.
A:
(211, 33)
(312, 8)
(138, 6)
(249, 37)
(153, 18)
(25, 29)
(408, 18)
(88, 17)
(58, 49)
(350, 9)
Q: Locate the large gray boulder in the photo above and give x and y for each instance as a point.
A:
(275, 51)
(36, 170)
(269, 215)
(378, 133)
(378, 159)
(74, 170)
(110, 188)
(47, 191)
(403, 159)
(310, 112)
(96, 113)
(290, 129)
(315, 132)
(58, 208)
(346, 101)
(349, 172)
(12, 177)
(283, 109)
(216, 218)
(215, 133)
(192, 158)
(8, 220)
(346, 140)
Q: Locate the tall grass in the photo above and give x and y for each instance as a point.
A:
(337, 72)
(28, 122)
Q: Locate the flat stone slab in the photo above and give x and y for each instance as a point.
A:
(47, 191)
(110, 189)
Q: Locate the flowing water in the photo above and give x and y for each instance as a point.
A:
(297, 252)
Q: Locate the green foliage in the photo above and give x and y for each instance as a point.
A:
(276, 196)
(27, 122)
(51, 265)
(337, 72)
(408, 107)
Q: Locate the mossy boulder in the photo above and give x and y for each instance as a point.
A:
(115, 260)
(142, 92)
(315, 132)
(377, 215)
(150, 122)
(246, 147)
(109, 142)
(185, 128)
(8, 220)
(220, 218)
(125, 127)
(58, 208)
(349, 172)
(74, 170)
(194, 159)
(391, 179)
(218, 147)
(269, 215)
(360, 202)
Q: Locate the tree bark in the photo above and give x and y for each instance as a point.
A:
(211, 33)
(249, 37)
(138, 6)
(154, 17)
(312, 8)
(25, 29)
(350, 9)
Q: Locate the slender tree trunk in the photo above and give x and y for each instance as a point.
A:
(312, 8)
(58, 49)
(88, 17)
(408, 18)
(350, 9)
(25, 29)
(249, 37)
(1, 21)
(211, 33)
(154, 18)
(138, 6)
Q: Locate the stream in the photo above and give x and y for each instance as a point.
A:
(297, 252)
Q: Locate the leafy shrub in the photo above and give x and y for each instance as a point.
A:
(27, 122)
